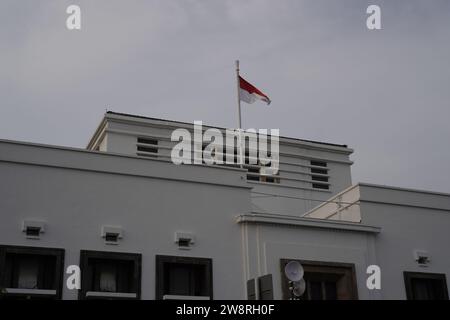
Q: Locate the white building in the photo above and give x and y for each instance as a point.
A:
(141, 227)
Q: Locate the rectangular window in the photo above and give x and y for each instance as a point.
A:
(319, 171)
(320, 186)
(324, 281)
(318, 163)
(254, 174)
(317, 175)
(110, 275)
(147, 147)
(270, 179)
(425, 286)
(183, 278)
(33, 231)
(31, 272)
(147, 141)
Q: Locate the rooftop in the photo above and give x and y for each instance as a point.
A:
(186, 123)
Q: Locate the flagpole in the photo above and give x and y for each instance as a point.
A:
(239, 113)
(238, 89)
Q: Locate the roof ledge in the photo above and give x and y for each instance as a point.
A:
(286, 220)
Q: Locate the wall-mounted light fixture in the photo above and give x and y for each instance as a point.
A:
(112, 234)
(184, 240)
(33, 228)
(422, 258)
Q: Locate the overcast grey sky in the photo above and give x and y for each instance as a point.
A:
(384, 93)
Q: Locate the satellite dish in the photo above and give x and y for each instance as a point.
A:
(299, 287)
(293, 271)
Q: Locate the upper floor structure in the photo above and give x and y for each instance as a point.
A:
(309, 171)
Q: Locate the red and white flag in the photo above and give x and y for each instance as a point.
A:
(249, 94)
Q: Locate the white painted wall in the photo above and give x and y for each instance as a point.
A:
(410, 220)
(269, 243)
(76, 192)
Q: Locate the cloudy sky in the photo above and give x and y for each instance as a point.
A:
(385, 93)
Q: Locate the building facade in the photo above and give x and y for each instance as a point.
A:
(141, 227)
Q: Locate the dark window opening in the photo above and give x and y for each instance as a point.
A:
(270, 179)
(247, 156)
(147, 149)
(318, 163)
(182, 276)
(149, 146)
(425, 286)
(110, 275)
(321, 287)
(320, 186)
(184, 279)
(184, 242)
(315, 177)
(111, 237)
(147, 141)
(254, 176)
(33, 231)
(319, 171)
(324, 281)
(30, 272)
